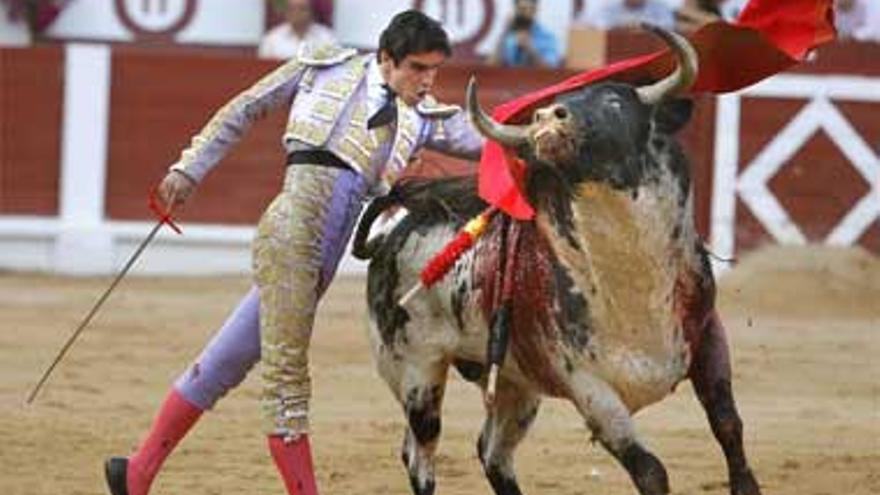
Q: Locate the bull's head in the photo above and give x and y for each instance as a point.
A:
(599, 132)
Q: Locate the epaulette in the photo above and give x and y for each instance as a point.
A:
(324, 55)
(430, 107)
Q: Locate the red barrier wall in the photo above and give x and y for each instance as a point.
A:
(158, 102)
(31, 89)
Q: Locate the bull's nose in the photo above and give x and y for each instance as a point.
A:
(553, 113)
(560, 112)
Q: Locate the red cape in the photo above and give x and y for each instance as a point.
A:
(768, 37)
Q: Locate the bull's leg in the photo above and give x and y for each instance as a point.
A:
(610, 421)
(420, 391)
(710, 374)
(506, 425)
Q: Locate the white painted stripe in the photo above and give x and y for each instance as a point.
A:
(857, 221)
(196, 232)
(752, 184)
(819, 115)
(850, 143)
(84, 133)
(192, 233)
(723, 215)
(799, 86)
(204, 249)
(867, 163)
(11, 225)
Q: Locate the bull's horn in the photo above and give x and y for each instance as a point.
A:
(507, 135)
(684, 74)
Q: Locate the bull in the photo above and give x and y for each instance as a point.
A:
(613, 300)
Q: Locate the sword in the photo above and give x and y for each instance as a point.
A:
(164, 217)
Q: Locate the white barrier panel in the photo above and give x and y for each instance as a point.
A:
(214, 22)
(36, 244)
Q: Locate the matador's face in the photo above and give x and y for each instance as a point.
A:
(413, 77)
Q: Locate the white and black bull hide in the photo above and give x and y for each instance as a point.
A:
(613, 298)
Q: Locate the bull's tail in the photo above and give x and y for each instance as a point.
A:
(362, 248)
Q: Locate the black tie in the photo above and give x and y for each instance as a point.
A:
(388, 112)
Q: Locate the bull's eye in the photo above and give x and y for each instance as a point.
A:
(561, 113)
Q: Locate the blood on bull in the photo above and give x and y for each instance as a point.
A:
(614, 300)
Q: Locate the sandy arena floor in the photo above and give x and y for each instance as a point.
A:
(805, 327)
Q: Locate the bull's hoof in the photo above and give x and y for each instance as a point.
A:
(116, 473)
(744, 483)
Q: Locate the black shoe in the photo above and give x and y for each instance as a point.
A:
(116, 472)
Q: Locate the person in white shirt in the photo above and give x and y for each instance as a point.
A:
(285, 40)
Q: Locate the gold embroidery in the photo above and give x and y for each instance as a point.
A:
(306, 132)
(287, 264)
(390, 176)
(339, 88)
(407, 132)
(330, 94)
(359, 117)
(352, 155)
(326, 110)
(308, 79)
(358, 145)
(361, 136)
(325, 54)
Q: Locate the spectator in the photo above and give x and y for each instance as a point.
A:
(855, 19)
(525, 42)
(610, 14)
(284, 41)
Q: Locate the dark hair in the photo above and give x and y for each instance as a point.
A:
(710, 6)
(413, 32)
(521, 23)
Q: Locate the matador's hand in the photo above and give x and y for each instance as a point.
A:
(175, 189)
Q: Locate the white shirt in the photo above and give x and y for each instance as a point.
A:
(283, 43)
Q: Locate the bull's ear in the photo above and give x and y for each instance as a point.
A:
(671, 115)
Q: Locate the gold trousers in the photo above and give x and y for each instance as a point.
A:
(299, 242)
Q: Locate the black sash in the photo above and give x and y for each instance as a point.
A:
(316, 157)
